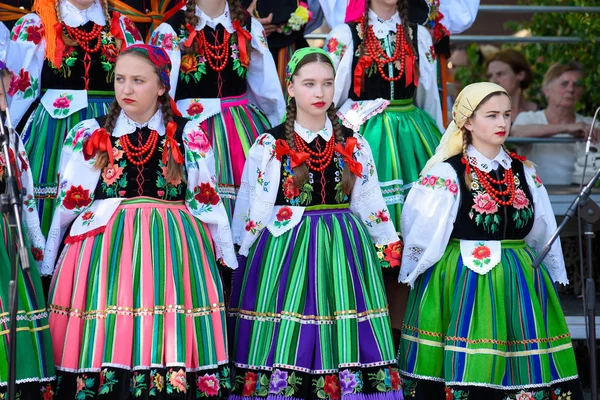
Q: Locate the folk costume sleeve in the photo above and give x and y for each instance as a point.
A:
(544, 225)
(26, 49)
(458, 15)
(75, 192)
(428, 95)
(256, 199)
(263, 89)
(340, 46)
(165, 37)
(4, 39)
(427, 220)
(201, 197)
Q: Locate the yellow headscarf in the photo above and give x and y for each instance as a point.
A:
(467, 101)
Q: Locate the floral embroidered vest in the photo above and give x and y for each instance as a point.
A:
(374, 86)
(71, 73)
(321, 188)
(196, 78)
(481, 218)
(126, 180)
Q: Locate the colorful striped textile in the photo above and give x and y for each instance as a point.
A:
(35, 364)
(43, 136)
(501, 335)
(403, 137)
(139, 308)
(232, 132)
(282, 58)
(308, 316)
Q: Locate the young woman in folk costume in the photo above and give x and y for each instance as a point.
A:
(62, 58)
(136, 300)
(308, 313)
(35, 364)
(224, 77)
(481, 321)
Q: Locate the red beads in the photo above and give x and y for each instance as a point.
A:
(84, 38)
(509, 181)
(381, 58)
(142, 153)
(216, 55)
(317, 161)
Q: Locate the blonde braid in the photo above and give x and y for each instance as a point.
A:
(466, 140)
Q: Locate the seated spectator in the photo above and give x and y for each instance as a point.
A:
(556, 161)
(509, 69)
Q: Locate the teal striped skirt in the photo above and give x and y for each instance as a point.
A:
(403, 138)
(35, 364)
(309, 317)
(492, 336)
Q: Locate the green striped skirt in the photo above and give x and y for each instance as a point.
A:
(137, 310)
(403, 138)
(43, 137)
(309, 317)
(35, 364)
(495, 336)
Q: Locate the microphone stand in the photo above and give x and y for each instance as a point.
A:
(10, 204)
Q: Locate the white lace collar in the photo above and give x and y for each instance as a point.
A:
(309, 136)
(74, 17)
(223, 19)
(126, 125)
(485, 164)
(381, 27)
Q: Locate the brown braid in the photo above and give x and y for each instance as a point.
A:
(365, 26)
(402, 7)
(109, 126)
(67, 40)
(238, 13)
(348, 178)
(174, 170)
(107, 16)
(466, 140)
(192, 19)
(301, 171)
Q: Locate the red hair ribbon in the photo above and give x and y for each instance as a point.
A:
(360, 71)
(60, 45)
(355, 166)
(171, 143)
(99, 141)
(467, 165)
(517, 157)
(244, 38)
(410, 72)
(282, 148)
(115, 29)
(192, 35)
(176, 111)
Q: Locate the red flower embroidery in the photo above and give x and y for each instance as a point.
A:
(449, 394)
(38, 254)
(249, 383)
(47, 392)
(393, 253)
(383, 216)
(131, 28)
(481, 252)
(76, 197)
(208, 384)
(395, 379)
(284, 214)
(207, 194)
(332, 387)
(250, 225)
(110, 52)
(521, 201)
(87, 215)
(19, 83)
(189, 64)
(290, 190)
(332, 45)
(195, 109)
(34, 34)
(62, 102)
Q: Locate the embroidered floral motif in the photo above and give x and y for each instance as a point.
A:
(176, 381)
(328, 387)
(23, 83)
(390, 255)
(37, 253)
(29, 202)
(208, 385)
(386, 379)
(482, 255)
(409, 388)
(452, 394)
(157, 382)
(350, 382)
(254, 384)
(278, 381)
(335, 47)
(252, 226)
(46, 392)
(284, 215)
(107, 381)
(62, 104)
(164, 40)
(207, 194)
(132, 34)
(75, 198)
(87, 217)
(378, 217)
(197, 145)
(114, 179)
(238, 66)
(195, 109)
(261, 180)
(192, 67)
(138, 384)
(434, 182)
(75, 141)
(170, 188)
(537, 180)
(84, 387)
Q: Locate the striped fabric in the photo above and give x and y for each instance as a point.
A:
(141, 304)
(35, 364)
(309, 317)
(232, 133)
(496, 335)
(403, 138)
(284, 55)
(43, 137)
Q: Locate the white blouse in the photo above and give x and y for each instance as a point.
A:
(430, 211)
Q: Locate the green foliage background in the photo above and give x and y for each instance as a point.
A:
(542, 55)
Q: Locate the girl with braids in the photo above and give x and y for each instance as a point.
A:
(136, 301)
(225, 79)
(62, 58)
(481, 321)
(307, 313)
(35, 364)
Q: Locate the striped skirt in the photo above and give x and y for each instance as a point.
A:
(232, 134)
(43, 136)
(403, 138)
(35, 364)
(309, 318)
(501, 335)
(137, 310)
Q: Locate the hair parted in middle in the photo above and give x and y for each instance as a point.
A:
(301, 172)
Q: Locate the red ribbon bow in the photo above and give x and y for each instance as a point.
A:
(99, 141)
(296, 157)
(355, 166)
(244, 38)
(517, 157)
(360, 71)
(192, 35)
(60, 45)
(115, 29)
(467, 165)
(410, 74)
(171, 143)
